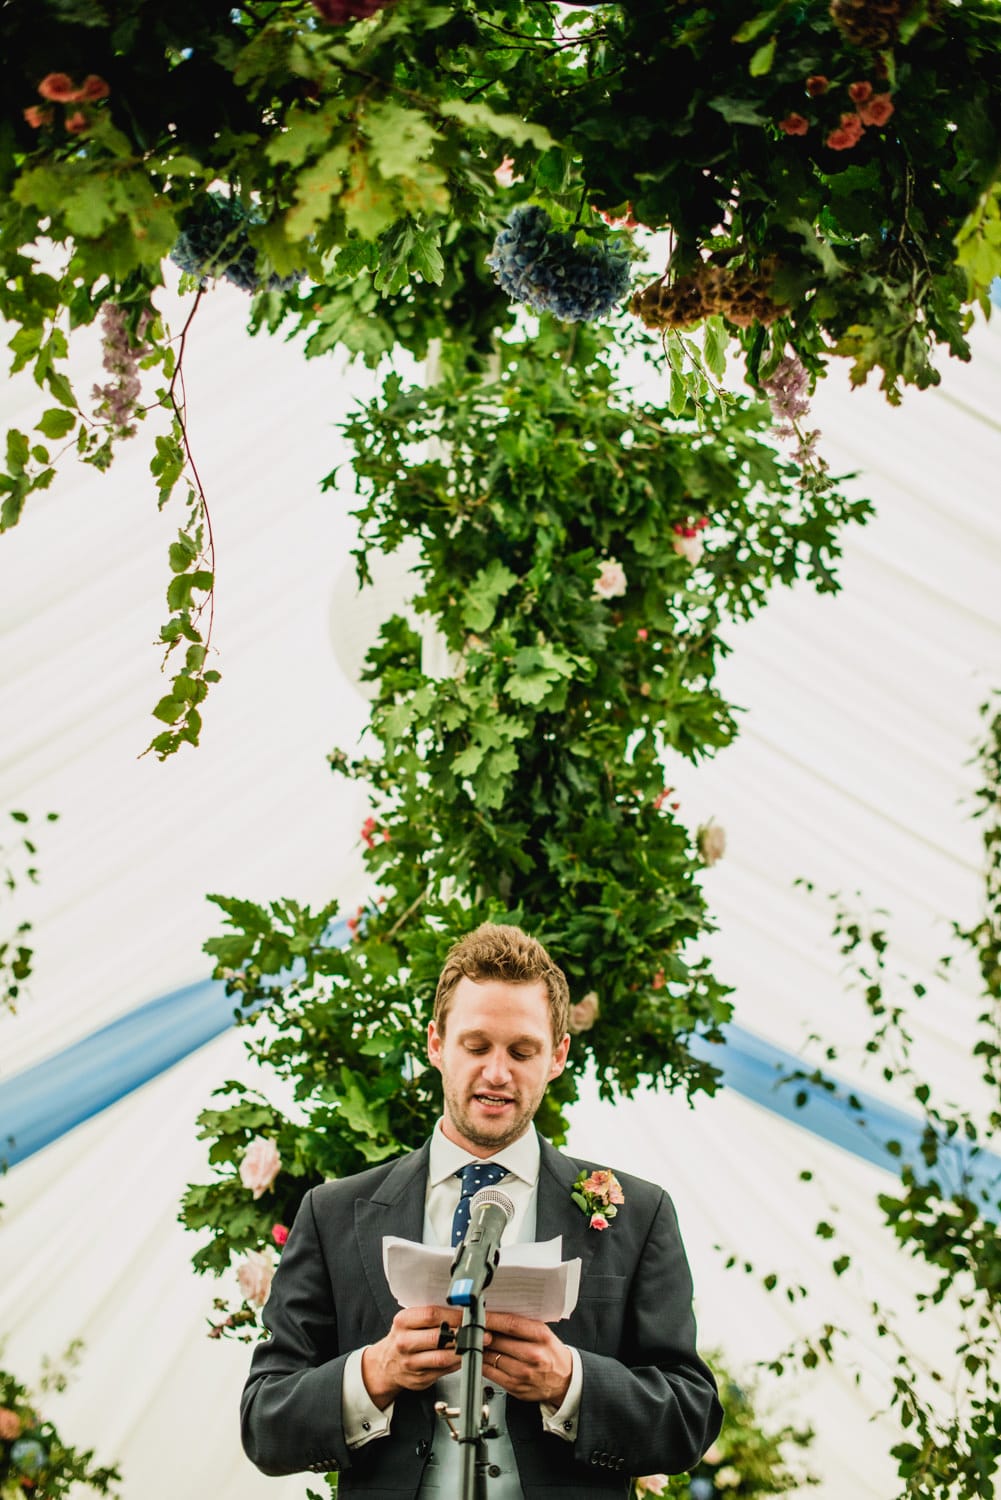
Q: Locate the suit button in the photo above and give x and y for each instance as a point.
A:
(594, 1458)
(620, 1463)
(422, 1449)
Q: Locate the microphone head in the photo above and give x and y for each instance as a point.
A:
(493, 1195)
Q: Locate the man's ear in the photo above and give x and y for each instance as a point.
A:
(559, 1061)
(434, 1046)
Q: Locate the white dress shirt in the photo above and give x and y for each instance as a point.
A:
(362, 1419)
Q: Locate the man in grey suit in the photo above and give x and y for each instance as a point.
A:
(347, 1380)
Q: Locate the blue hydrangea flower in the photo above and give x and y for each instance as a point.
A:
(214, 242)
(546, 270)
(701, 1488)
(28, 1456)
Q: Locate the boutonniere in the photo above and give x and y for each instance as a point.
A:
(599, 1195)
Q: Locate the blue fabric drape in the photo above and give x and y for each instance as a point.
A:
(44, 1102)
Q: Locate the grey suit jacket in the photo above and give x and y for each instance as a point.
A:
(648, 1405)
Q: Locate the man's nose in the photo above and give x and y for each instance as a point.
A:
(497, 1067)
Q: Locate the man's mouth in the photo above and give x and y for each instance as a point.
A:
(493, 1101)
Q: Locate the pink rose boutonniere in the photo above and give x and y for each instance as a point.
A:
(599, 1195)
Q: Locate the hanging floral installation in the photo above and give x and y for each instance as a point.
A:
(534, 191)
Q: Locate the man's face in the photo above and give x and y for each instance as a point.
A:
(495, 1060)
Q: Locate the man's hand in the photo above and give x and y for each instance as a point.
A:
(527, 1359)
(410, 1356)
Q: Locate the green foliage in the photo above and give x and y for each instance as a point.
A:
(749, 1458)
(15, 955)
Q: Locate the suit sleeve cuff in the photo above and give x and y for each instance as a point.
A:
(562, 1419)
(361, 1418)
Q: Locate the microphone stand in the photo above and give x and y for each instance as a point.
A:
(474, 1428)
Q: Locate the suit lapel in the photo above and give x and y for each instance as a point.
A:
(556, 1213)
(396, 1207)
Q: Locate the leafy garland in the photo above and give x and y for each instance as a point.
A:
(529, 784)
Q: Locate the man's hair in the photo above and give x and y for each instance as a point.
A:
(493, 951)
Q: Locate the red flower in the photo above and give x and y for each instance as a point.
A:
(36, 117)
(60, 87)
(642, 633)
(858, 93)
(367, 830)
(94, 87)
(877, 110)
(76, 122)
(279, 1234)
(661, 797)
(794, 124)
(658, 981)
(816, 84)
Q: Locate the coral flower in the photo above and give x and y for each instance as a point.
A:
(76, 123)
(94, 87)
(858, 93)
(816, 84)
(877, 110)
(36, 117)
(60, 87)
(794, 124)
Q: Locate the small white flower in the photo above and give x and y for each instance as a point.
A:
(611, 581)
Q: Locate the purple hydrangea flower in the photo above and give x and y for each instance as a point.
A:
(546, 270)
(118, 399)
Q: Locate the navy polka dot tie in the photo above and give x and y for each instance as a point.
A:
(474, 1175)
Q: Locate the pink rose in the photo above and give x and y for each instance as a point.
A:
(598, 1221)
(260, 1166)
(691, 547)
(651, 1484)
(584, 1014)
(611, 581)
(10, 1424)
(279, 1234)
(504, 175)
(255, 1276)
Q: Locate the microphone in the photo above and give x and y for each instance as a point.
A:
(489, 1214)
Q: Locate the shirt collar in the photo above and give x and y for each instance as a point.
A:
(521, 1158)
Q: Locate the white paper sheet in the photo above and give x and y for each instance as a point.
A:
(530, 1279)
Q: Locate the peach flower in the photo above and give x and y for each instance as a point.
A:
(858, 93)
(584, 1014)
(711, 840)
(598, 1221)
(611, 581)
(794, 124)
(817, 84)
(260, 1166)
(10, 1424)
(691, 547)
(652, 1484)
(254, 1276)
(37, 117)
(76, 123)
